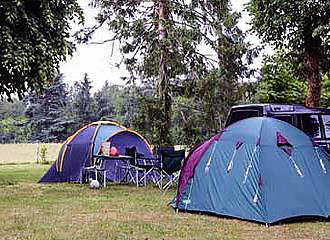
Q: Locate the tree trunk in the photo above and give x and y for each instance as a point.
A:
(312, 61)
(314, 80)
(163, 84)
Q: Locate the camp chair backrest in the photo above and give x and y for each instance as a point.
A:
(98, 162)
(159, 150)
(171, 160)
(132, 153)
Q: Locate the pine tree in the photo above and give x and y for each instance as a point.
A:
(46, 113)
(109, 102)
(83, 103)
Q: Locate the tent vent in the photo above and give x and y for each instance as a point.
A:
(231, 163)
(321, 161)
(208, 164)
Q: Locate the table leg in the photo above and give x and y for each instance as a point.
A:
(104, 178)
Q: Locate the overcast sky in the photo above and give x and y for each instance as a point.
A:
(96, 60)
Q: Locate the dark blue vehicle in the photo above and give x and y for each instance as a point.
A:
(315, 122)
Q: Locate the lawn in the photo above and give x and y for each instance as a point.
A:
(29, 210)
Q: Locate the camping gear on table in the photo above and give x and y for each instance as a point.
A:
(260, 169)
(79, 150)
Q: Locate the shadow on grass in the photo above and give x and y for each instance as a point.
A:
(292, 220)
(8, 182)
(13, 164)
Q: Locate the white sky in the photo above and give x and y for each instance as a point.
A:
(93, 59)
(96, 59)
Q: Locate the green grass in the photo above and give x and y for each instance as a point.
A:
(72, 211)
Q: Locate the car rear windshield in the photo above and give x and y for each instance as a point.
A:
(310, 124)
(285, 118)
(238, 115)
(326, 122)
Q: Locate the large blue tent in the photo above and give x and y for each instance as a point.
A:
(258, 169)
(78, 150)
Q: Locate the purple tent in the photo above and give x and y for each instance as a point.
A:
(77, 151)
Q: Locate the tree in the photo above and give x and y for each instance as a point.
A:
(34, 39)
(220, 88)
(46, 113)
(11, 109)
(83, 104)
(12, 122)
(110, 102)
(301, 27)
(162, 40)
(189, 126)
(325, 94)
(279, 81)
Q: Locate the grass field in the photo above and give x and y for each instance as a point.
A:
(72, 211)
(27, 152)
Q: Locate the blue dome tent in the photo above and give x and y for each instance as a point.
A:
(258, 169)
(78, 150)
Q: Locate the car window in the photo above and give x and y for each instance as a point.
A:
(326, 122)
(242, 114)
(310, 125)
(285, 118)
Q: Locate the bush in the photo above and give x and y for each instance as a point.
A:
(43, 155)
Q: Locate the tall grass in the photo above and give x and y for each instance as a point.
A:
(29, 210)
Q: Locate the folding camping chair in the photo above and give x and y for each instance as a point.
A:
(151, 165)
(95, 169)
(170, 162)
(134, 171)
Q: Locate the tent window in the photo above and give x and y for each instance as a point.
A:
(284, 118)
(326, 121)
(310, 125)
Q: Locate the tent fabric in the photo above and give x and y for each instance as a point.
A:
(264, 183)
(77, 151)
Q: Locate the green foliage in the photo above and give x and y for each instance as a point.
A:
(325, 94)
(12, 122)
(189, 126)
(302, 27)
(150, 120)
(46, 113)
(83, 105)
(216, 94)
(34, 39)
(110, 102)
(43, 155)
(11, 109)
(279, 83)
(170, 66)
(12, 129)
(162, 44)
(276, 21)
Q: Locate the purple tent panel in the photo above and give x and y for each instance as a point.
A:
(188, 168)
(68, 168)
(283, 143)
